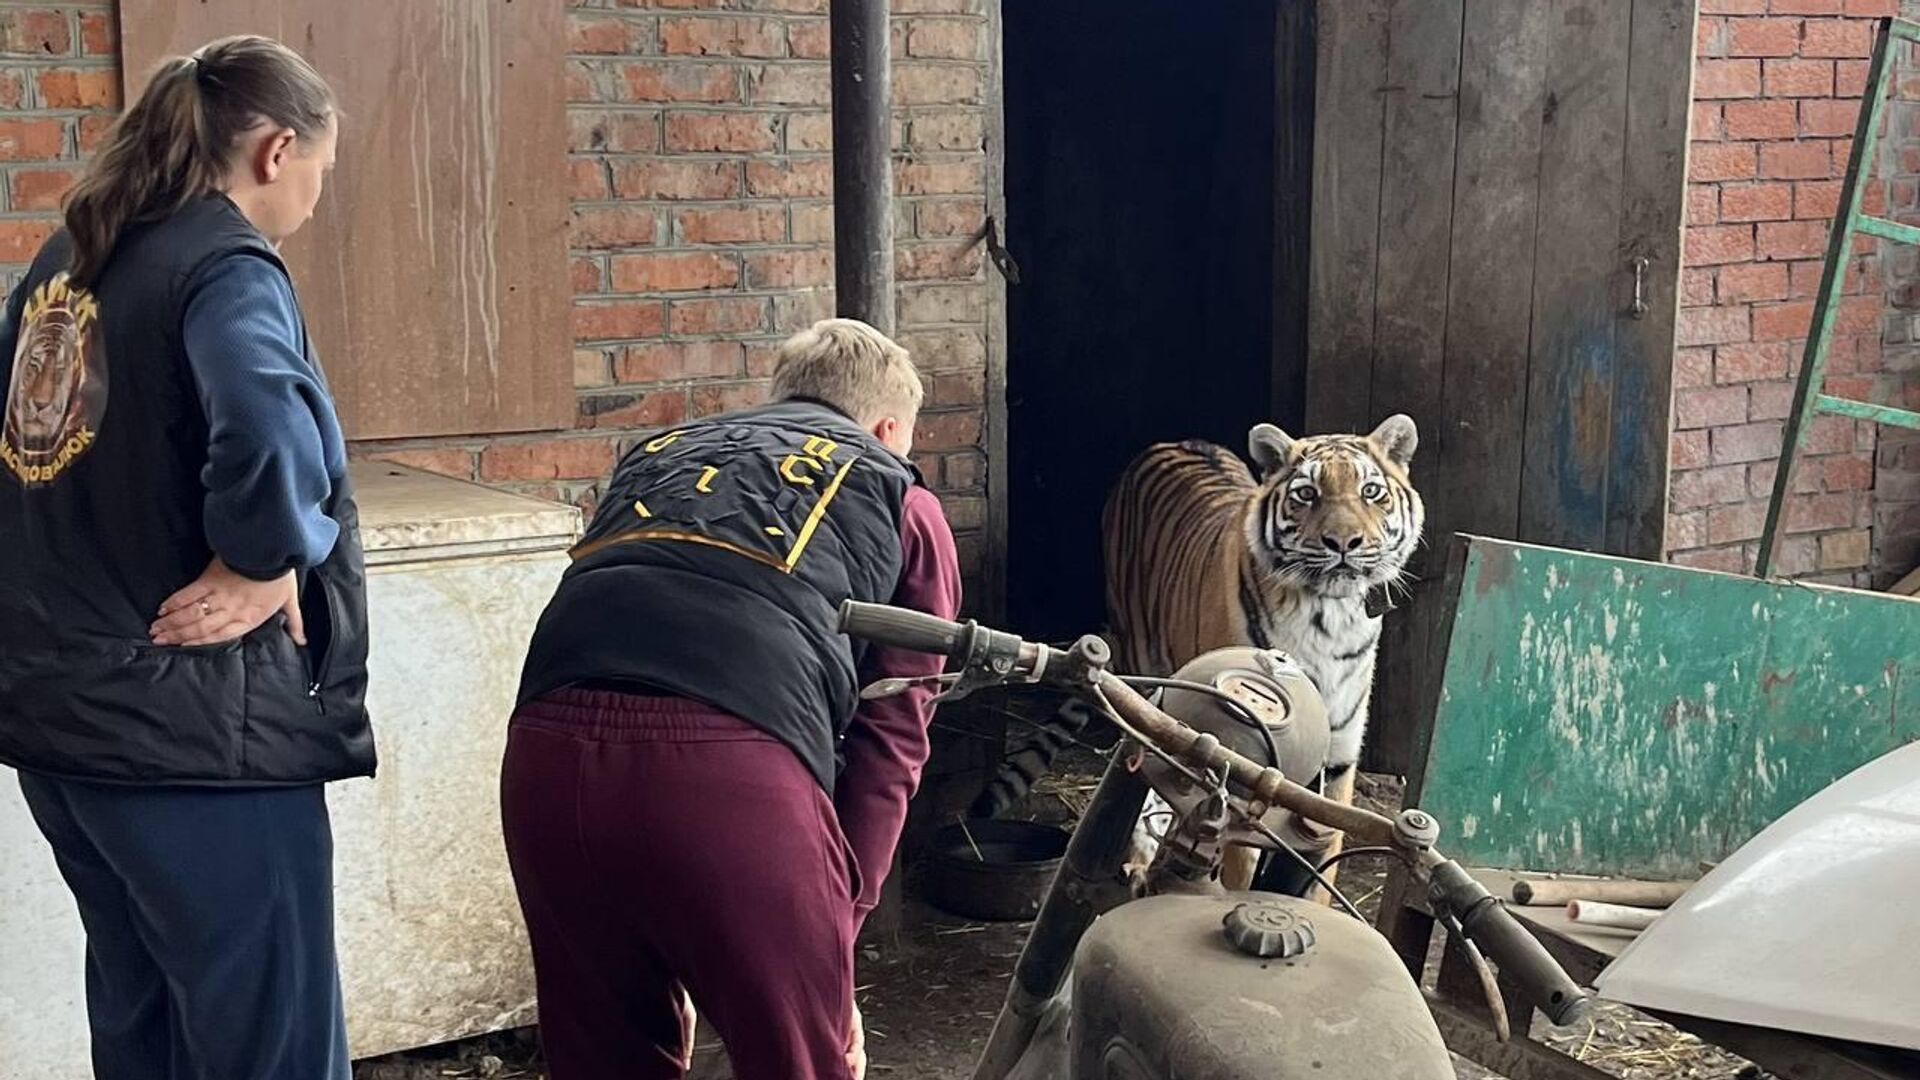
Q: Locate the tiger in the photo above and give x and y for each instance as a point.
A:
(1202, 553)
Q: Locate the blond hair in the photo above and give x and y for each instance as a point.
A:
(851, 366)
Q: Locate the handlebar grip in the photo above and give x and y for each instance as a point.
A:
(1527, 963)
(903, 629)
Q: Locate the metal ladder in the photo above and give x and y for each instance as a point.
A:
(1808, 399)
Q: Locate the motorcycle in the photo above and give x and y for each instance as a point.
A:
(1171, 974)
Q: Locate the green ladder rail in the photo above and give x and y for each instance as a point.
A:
(1808, 399)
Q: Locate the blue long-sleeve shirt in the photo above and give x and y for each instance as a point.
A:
(274, 449)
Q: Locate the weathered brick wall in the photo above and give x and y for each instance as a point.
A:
(1777, 89)
(702, 228)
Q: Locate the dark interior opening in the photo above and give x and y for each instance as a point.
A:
(1157, 163)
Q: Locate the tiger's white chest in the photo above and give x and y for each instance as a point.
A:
(1335, 642)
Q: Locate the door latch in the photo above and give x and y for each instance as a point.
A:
(1640, 264)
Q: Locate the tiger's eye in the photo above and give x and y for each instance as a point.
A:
(1374, 491)
(1303, 495)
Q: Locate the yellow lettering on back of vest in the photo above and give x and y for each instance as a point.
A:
(663, 442)
(790, 469)
(819, 446)
(704, 486)
(641, 509)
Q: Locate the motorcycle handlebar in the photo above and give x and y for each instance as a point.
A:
(901, 628)
(1519, 954)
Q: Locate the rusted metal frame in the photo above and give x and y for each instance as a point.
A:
(1813, 366)
(861, 62)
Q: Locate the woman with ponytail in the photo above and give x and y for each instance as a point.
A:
(182, 619)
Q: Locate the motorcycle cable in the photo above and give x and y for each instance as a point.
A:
(1307, 865)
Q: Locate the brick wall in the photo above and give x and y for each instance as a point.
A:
(703, 225)
(1776, 98)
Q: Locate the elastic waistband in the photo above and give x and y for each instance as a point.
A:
(616, 716)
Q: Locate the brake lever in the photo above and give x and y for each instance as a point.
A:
(886, 688)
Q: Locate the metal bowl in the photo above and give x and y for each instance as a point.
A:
(995, 871)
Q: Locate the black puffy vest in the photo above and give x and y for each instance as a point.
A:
(101, 520)
(716, 564)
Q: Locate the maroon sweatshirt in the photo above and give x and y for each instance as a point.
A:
(886, 744)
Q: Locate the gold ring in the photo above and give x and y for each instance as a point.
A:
(206, 609)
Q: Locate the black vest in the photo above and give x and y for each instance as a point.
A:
(716, 564)
(101, 520)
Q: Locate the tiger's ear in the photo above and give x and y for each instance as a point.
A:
(1397, 438)
(1270, 448)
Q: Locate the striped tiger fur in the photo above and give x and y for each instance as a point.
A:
(1201, 553)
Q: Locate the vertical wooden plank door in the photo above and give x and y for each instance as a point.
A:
(1498, 197)
(434, 274)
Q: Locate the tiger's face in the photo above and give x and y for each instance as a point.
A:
(1337, 513)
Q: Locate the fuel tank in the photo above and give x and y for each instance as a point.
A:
(1245, 986)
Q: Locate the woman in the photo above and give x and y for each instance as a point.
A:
(182, 625)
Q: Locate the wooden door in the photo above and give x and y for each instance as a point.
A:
(1498, 196)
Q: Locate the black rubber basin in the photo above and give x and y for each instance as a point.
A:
(995, 871)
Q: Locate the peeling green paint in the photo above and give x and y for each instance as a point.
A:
(1607, 716)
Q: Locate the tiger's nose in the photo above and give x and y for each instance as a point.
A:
(1341, 545)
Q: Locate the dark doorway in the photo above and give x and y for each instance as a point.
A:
(1157, 160)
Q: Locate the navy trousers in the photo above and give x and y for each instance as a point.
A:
(209, 919)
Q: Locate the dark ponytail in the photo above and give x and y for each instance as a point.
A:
(174, 145)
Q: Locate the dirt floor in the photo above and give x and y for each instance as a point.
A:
(930, 998)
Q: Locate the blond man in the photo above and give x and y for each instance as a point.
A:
(695, 799)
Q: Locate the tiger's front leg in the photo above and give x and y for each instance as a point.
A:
(1340, 790)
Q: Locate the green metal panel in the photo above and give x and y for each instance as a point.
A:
(1607, 716)
(1866, 410)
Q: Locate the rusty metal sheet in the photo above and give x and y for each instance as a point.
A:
(434, 274)
(1603, 715)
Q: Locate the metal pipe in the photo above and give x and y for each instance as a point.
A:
(1557, 891)
(1621, 916)
(862, 161)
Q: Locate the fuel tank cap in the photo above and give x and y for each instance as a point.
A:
(1268, 930)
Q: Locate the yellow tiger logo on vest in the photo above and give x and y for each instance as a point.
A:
(58, 392)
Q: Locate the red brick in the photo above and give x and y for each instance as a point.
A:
(809, 40)
(1690, 449)
(948, 430)
(805, 269)
(1709, 122)
(1782, 322)
(1721, 161)
(676, 180)
(720, 315)
(589, 177)
(1686, 531)
(940, 262)
(20, 240)
(795, 311)
(684, 271)
(449, 461)
(791, 179)
(1796, 78)
(938, 84)
(809, 132)
(944, 39)
(1829, 435)
(709, 400)
(1751, 363)
(966, 217)
(722, 36)
(1769, 401)
(1731, 524)
(608, 36)
(98, 35)
(1847, 472)
(1692, 368)
(1710, 37)
(949, 131)
(1786, 240)
(1847, 549)
(618, 320)
(1849, 78)
(92, 88)
(1758, 281)
(1763, 37)
(671, 362)
(1869, 9)
(1837, 38)
(1746, 442)
(1833, 119)
(792, 84)
(1796, 160)
(1709, 487)
(556, 459)
(1733, 7)
(1697, 287)
(13, 90)
(1808, 7)
(93, 131)
(41, 189)
(35, 33)
(1816, 200)
(586, 276)
(1761, 120)
(1702, 326)
(628, 131)
(732, 132)
(1761, 474)
(651, 409)
(1859, 315)
(1729, 560)
(614, 227)
(591, 368)
(731, 225)
(1818, 513)
(1806, 279)
(939, 178)
(1756, 202)
(676, 80)
(1710, 407)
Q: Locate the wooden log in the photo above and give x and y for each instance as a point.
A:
(1557, 891)
(1595, 913)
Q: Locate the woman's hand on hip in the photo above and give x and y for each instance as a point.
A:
(222, 605)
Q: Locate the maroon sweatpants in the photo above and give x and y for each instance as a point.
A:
(657, 843)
